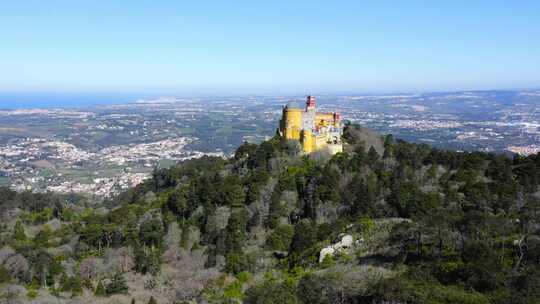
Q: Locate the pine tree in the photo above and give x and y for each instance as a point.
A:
(18, 232)
(117, 284)
(76, 286)
(373, 156)
(64, 281)
(388, 148)
(152, 300)
(100, 289)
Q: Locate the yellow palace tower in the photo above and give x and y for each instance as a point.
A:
(315, 131)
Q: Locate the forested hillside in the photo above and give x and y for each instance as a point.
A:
(427, 226)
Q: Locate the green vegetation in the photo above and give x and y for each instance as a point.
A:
(429, 226)
(117, 285)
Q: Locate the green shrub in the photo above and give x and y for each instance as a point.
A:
(271, 292)
(238, 262)
(407, 290)
(32, 293)
(366, 225)
(328, 261)
(5, 277)
(233, 290)
(243, 276)
(280, 239)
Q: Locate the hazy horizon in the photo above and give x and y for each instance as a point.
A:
(22, 100)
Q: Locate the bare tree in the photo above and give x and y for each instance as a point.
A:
(91, 268)
(189, 277)
(119, 260)
(5, 253)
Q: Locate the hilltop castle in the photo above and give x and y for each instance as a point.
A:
(315, 131)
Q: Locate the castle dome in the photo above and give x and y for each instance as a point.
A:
(293, 105)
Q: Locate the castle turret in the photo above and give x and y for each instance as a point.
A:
(291, 124)
(310, 103)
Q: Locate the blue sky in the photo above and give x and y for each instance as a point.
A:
(240, 47)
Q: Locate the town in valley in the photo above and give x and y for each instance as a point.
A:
(102, 150)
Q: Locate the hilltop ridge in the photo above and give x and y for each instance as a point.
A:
(406, 223)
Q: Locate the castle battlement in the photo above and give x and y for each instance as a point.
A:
(315, 130)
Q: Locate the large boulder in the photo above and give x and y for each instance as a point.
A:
(53, 224)
(326, 251)
(346, 242)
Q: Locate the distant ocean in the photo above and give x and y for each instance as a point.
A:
(72, 100)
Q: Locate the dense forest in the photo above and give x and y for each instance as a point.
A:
(427, 226)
